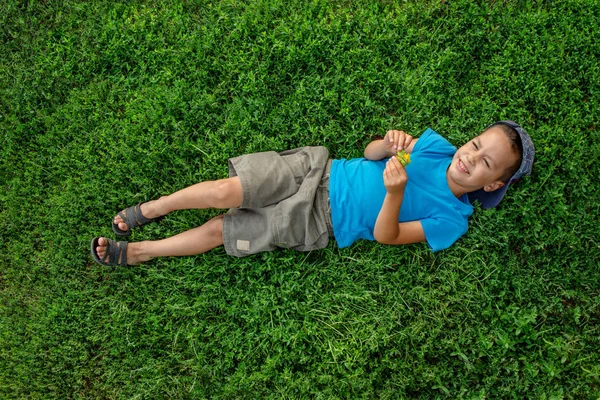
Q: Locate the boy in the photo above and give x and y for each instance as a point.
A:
(299, 198)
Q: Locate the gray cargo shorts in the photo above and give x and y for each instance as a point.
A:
(285, 202)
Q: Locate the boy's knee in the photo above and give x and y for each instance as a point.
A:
(226, 190)
(216, 226)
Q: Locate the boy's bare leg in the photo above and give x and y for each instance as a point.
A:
(194, 241)
(222, 193)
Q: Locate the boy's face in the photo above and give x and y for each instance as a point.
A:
(481, 162)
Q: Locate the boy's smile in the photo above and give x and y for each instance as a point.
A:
(481, 163)
(462, 167)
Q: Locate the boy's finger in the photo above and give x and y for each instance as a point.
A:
(394, 164)
(399, 168)
(388, 166)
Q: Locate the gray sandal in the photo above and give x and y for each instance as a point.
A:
(116, 253)
(133, 217)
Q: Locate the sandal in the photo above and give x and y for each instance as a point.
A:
(133, 217)
(116, 253)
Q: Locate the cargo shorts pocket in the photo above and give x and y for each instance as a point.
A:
(297, 230)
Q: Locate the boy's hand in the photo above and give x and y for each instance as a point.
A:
(394, 176)
(396, 140)
(389, 146)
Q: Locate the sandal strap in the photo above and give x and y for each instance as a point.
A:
(133, 216)
(122, 253)
(106, 260)
(117, 253)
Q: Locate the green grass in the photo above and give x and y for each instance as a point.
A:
(103, 105)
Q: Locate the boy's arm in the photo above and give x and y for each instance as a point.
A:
(389, 145)
(389, 231)
(387, 228)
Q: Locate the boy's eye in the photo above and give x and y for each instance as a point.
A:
(487, 163)
(475, 145)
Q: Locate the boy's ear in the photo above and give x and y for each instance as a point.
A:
(493, 186)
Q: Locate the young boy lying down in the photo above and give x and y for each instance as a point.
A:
(300, 198)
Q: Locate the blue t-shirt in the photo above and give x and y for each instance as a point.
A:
(356, 192)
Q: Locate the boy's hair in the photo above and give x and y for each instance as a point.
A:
(517, 148)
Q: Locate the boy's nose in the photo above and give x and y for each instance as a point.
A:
(472, 158)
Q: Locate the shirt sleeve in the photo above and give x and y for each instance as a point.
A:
(432, 143)
(442, 233)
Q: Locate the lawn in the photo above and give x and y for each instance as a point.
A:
(105, 104)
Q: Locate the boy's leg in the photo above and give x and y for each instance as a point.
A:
(222, 193)
(191, 242)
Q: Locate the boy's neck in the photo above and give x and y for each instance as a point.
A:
(457, 190)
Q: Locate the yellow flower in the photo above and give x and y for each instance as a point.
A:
(404, 157)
